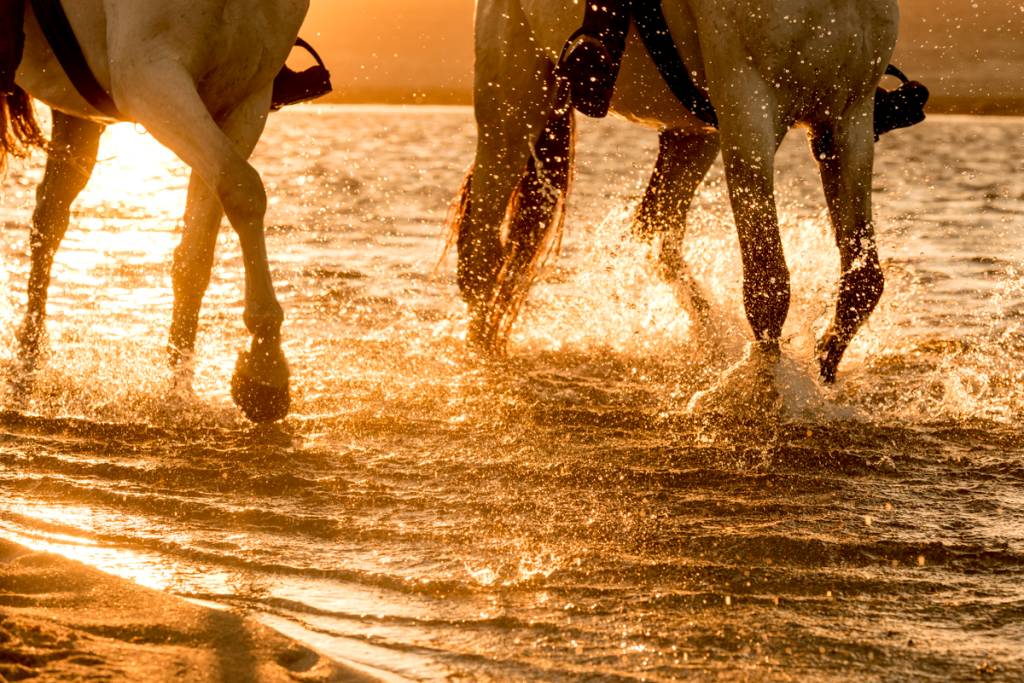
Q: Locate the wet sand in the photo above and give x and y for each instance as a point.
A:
(61, 620)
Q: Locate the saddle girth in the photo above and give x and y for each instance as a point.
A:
(61, 37)
(593, 55)
(290, 87)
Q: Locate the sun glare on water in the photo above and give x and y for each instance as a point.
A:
(135, 174)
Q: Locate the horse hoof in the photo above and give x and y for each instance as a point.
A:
(829, 354)
(259, 400)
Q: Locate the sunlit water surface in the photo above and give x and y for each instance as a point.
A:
(561, 514)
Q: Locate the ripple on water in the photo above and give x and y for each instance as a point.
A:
(560, 513)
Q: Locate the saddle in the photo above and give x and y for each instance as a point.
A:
(592, 56)
(290, 87)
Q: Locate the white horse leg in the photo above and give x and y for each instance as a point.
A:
(163, 98)
(684, 158)
(193, 263)
(193, 259)
(845, 150)
(514, 97)
(71, 157)
(750, 136)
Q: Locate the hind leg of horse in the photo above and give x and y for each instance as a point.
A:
(684, 158)
(193, 259)
(845, 153)
(71, 157)
(514, 97)
(163, 98)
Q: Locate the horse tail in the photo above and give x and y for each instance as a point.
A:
(19, 130)
(456, 215)
(535, 219)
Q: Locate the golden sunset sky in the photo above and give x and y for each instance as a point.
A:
(971, 51)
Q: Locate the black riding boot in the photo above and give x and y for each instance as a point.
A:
(593, 55)
(901, 107)
(12, 42)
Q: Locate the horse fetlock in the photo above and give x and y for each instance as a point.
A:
(829, 351)
(264, 323)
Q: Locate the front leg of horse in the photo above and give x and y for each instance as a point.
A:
(845, 150)
(194, 257)
(748, 146)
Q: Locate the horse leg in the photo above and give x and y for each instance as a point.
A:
(514, 95)
(193, 259)
(683, 161)
(684, 158)
(749, 141)
(845, 153)
(71, 157)
(750, 136)
(162, 96)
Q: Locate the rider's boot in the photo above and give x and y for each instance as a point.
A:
(593, 55)
(901, 107)
(12, 42)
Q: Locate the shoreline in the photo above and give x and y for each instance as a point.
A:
(60, 619)
(939, 103)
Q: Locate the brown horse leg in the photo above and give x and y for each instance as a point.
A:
(72, 156)
(845, 151)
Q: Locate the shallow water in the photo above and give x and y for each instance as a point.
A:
(562, 514)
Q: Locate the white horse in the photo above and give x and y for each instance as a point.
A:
(198, 75)
(766, 65)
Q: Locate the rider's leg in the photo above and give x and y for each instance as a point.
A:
(592, 57)
(12, 42)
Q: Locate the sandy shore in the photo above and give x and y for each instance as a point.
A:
(61, 620)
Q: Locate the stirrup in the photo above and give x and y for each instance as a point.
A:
(591, 72)
(901, 107)
(293, 87)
